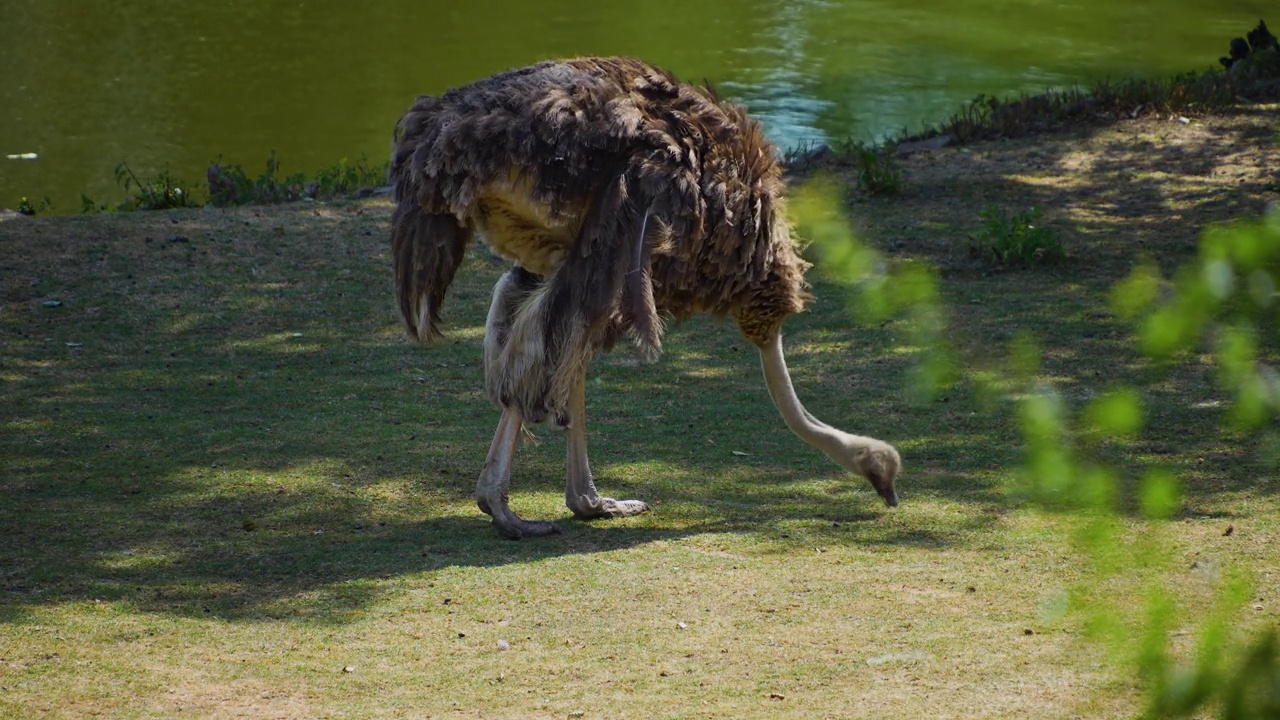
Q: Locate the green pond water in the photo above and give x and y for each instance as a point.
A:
(84, 85)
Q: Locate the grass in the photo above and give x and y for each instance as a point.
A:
(232, 488)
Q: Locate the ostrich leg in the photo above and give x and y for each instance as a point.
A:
(580, 490)
(495, 483)
(495, 480)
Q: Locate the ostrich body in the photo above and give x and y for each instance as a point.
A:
(622, 197)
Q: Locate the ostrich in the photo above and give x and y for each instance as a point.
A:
(623, 198)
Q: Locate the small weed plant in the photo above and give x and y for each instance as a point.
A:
(159, 193)
(346, 177)
(230, 185)
(878, 174)
(88, 206)
(43, 206)
(1017, 240)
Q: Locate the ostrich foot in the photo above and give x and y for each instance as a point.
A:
(512, 526)
(580, 489)
(595, 507)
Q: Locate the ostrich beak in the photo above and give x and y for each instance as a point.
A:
(890, 497)
(884, 487)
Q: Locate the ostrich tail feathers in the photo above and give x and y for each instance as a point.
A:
(426, 250)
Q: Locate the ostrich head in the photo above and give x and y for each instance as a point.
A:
(880, 468)
(873, 459)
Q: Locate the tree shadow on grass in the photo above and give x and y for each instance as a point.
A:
(222, 419)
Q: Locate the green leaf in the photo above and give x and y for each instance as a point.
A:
(1135, 294)
(1041, 418)
(1097, 488)
(1158, 494)
(1168, 331)
(1118, 413)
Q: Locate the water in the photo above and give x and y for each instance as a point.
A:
(86, 85)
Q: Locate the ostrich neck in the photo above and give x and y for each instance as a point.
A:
(835, 444)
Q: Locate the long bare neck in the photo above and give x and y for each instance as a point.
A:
(778, 379)
(874, 459)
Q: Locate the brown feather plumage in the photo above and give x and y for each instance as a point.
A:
(637, 197)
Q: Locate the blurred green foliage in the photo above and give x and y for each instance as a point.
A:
(1224, 302)
(1221, 303)
(909, 293)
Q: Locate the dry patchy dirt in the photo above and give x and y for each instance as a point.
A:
(1146, 185)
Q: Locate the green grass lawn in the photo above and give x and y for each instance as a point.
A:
(231, 487)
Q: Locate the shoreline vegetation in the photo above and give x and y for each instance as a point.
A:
(1250, 74)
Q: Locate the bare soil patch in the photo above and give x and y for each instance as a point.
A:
(1146, 185)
